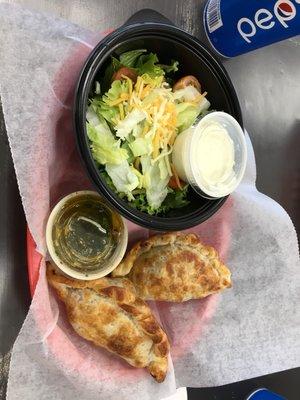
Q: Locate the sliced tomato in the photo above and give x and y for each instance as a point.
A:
(173, 183)
(185, 81)
(125, 71)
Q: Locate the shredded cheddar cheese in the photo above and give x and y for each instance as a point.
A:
(153, 97)
(140, 89)
(199, 98)
(156, 145)
(172, 138)
(116, 102)
(129, 84)
(121, 110)
(145, 129)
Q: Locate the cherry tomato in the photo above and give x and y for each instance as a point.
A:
(124, 71)
(173, 183)
(185, 81)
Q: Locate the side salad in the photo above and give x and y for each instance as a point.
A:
(133, 119)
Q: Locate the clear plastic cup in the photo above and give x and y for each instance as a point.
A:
(65, 244)
(185, 157)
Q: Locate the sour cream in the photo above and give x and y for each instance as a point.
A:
(211, 155)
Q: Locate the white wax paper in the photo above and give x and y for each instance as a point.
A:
(249, 330)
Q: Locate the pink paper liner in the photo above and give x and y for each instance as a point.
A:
(59, 342)
(200, 313)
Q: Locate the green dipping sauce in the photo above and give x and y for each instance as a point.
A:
(86, 233)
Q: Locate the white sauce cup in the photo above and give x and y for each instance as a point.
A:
(185, 156)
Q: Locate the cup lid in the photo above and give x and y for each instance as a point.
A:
(235, 141)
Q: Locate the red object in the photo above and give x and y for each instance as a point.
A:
(33, 262)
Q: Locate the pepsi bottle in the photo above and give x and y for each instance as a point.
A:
(234, 27)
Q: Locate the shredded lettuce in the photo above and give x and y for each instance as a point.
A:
(123, 177)
(187, 111)
(116, 64)
(125, 127)
(113, 66)
(189, 93)
(140, 62)
(140, 147)
(94, 119)
(163, 168)
(140, 202)
(97, 87)
(104, 107)
(175, 199)
(147, 64)
(107, 179)
(156, 188)
(204, 106)
(105, 111)
(117, 87)
(105, 148)
(131, 157)
(129, 58)
(186, 115)
(131, 127)
(154, 81)
(137, 131)
(173, 67)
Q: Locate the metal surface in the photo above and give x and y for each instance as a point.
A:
(268, 85)
(14, 293)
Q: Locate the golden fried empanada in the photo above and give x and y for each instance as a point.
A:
(107, 312)
(174, 267)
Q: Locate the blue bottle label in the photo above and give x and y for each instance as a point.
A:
(237, 26)
(264, 394)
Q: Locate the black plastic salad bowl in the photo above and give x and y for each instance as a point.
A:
(169, 43)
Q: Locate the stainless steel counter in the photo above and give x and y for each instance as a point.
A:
(268, 86)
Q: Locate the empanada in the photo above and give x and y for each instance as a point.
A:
(174, 267)
(107, 312)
